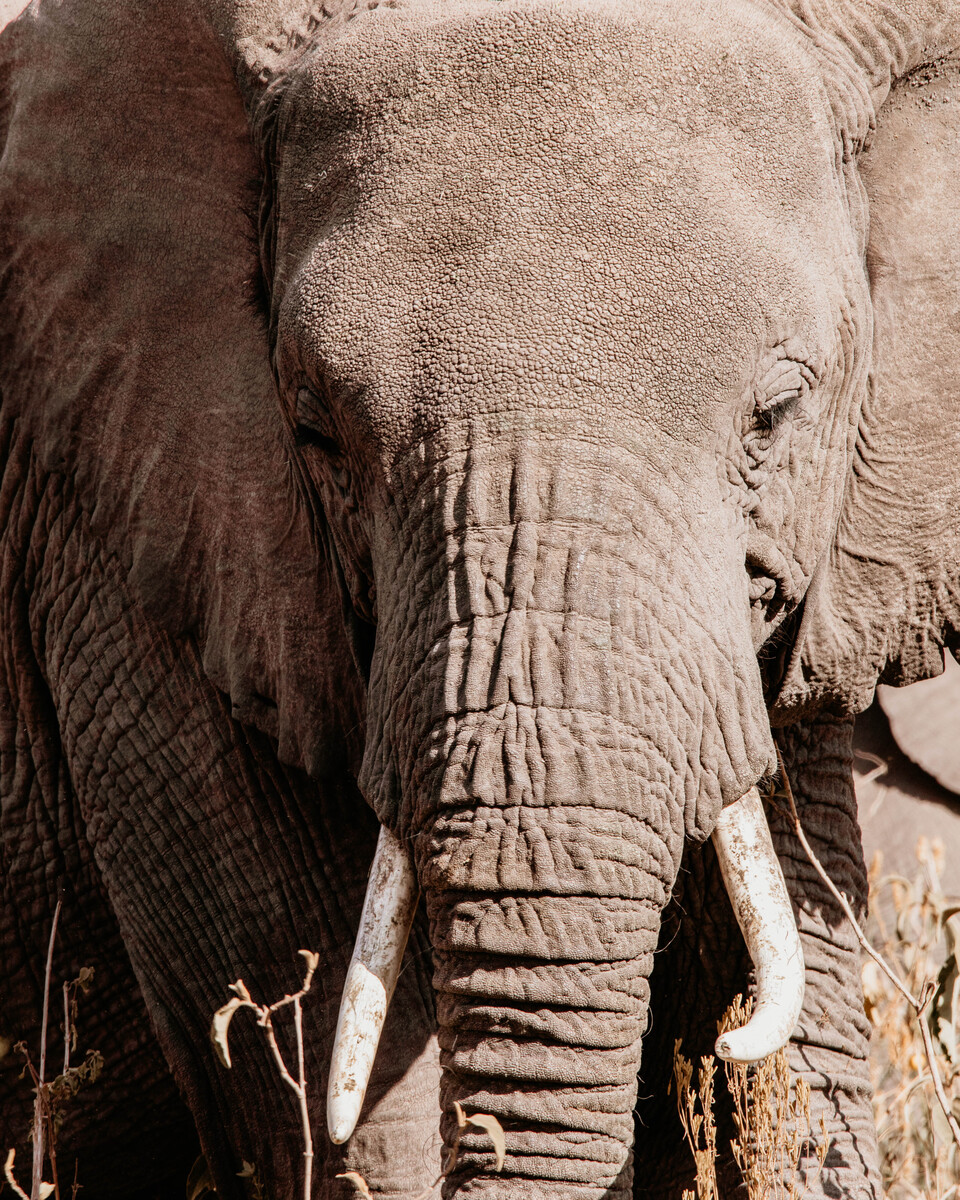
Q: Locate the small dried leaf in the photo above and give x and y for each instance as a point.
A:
(200, 1181)
(494, 1130)
(63, 1087)
(221, 1023)
(359, 1183)
(46, 1189)
(943, 1015)
(9, 1176)
(252, 1188)
(84, 980)
(313, 959)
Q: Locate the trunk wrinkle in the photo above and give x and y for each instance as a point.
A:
(557, 716)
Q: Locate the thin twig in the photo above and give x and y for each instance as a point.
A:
(918, 1004)
(302, 1096)
(265, 1021)
(267, 1025)
(299, 1086)
(66, 1027)
(929, 991)
(52, 1156)
(38, 1107)
(840, 898)
(880, 765)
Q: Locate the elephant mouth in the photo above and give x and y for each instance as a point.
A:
(758, 895)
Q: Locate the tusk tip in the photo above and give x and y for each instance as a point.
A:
(341, 1122)
(728, 1049)
(388, 911)
(768, 1031)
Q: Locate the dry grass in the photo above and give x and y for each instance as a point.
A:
(52, 1096)
(911, 984)
(771, 1111)
(917, 927)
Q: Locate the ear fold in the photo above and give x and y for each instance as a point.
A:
(888, 599)
(133, 358)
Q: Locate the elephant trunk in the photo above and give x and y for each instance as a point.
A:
(758, 895)
(542, 1000)
(549, 717)
(560, 1077)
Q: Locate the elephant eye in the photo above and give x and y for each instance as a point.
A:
(781, 393)
(315, 425)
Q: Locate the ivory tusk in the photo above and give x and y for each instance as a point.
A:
(754, 881)
(388, 911)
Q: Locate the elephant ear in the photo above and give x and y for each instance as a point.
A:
(924, 723)
(887, 600)
(134, 360)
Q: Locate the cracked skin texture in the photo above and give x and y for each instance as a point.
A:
(568, 401)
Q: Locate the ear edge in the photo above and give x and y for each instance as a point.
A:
(165, 422)
(890, 601)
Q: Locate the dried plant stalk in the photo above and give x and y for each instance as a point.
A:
(50, 1097)
(919, 1002)
(771, 1111)
(917, 926)
(219, 1033)
(699, 1128)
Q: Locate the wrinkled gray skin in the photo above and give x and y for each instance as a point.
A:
(596, 413)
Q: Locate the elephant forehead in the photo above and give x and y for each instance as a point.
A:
(559, 202)
(400, 67)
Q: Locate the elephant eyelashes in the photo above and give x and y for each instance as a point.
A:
(315, 425)
(781, 393)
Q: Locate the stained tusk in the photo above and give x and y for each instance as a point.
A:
(758, 893)
(388, 910)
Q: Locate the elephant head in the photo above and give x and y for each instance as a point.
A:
(581, 428)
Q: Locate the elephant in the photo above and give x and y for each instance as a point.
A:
(471, 438)
(911, 734)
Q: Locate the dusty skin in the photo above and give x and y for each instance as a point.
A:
(497, 422)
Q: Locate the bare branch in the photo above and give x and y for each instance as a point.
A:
(39, 1122)
(243, 999)
(66, 1028)
(918, 1004)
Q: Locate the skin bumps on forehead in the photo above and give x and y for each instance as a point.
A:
(530, 209)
